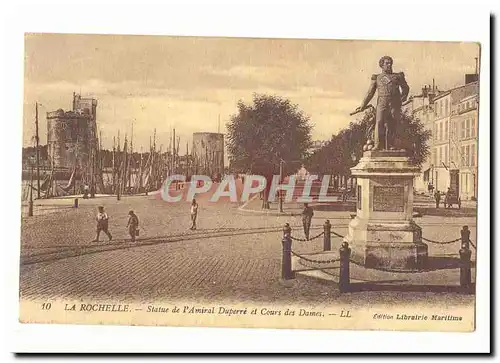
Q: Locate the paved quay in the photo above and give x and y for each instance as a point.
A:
(233, 256)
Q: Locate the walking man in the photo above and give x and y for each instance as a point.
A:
(437, 197)
(307, 215)
(133, 225)
(102, 224)
(194, 214)
(447, 199)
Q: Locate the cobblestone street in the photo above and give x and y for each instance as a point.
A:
(232, 256)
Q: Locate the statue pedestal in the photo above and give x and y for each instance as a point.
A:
(383, 233)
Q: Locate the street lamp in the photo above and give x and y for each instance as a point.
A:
(281, 191)
(30, 204)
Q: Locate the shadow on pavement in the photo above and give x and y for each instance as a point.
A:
(444, 263)
(446, 212)
(80, 250)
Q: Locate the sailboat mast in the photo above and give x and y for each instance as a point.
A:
(113, 165)
(173, 153)
(140, 172)
(187, 160)
(130, 163)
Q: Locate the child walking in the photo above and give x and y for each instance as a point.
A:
(102, 224)
(194, 214)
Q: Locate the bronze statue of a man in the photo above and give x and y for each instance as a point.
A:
(392, 92)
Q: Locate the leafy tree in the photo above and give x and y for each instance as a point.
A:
(346, 148)
(265, 132)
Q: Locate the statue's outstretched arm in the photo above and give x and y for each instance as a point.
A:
(405, 89)
(370, 94)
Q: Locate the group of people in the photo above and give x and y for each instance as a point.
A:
(102, 220)
(438, 194)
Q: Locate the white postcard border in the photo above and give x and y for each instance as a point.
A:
(421, 21)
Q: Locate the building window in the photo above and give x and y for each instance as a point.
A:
(446, 154)
(467, 155)
(467, 128)
(473, 127)
(440, 155)
(462, 131)
(473, 155)
(440, 135)
(446, 130)
(446, 107)
(462, 156)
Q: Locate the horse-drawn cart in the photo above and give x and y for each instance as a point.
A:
(452, 196)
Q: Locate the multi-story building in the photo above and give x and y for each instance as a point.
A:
(464, 144)
(422, 108)
(451, 116)
(440, 148)
(454, 144)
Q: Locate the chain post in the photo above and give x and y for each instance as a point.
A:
(75, 204)
(345, 256)
(286, 262)
(327, 240)
(465, 267)
(465, 234)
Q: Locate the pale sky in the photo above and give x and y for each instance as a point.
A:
(187, 82)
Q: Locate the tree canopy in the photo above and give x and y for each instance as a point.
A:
(345, 148)
(263, 133)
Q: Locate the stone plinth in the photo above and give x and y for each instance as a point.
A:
(383, 233)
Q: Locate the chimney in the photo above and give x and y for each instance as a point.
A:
(424, 91)
(469, 78)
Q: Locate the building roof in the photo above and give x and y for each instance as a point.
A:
(440, 95)
(468, 97)
(456, 90)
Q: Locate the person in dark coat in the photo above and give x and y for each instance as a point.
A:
(437, 198)
(132, 225)
(194, 214)
(307, 215)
